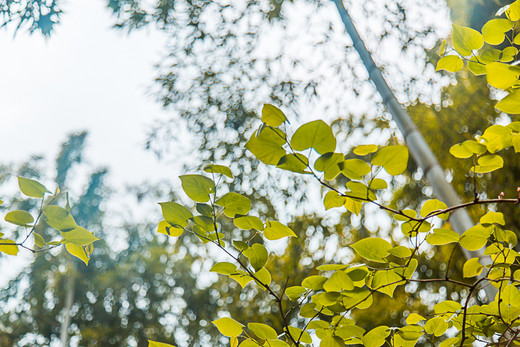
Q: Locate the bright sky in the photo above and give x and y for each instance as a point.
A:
(86, 76)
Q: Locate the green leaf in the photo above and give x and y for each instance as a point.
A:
(257, 255)
(501, 76)
(264, 277)
(331, 267)
(167, 229)
(493, 218)
(38, 240)
(511, 103)
(267, 145)
(360, 191)
(378, 183)
(219, 169)
(488, 163)
(262, 331)
(353, 206)
(393, 158)
(228, 326)
(365, 149)
(328, 164)
(298, 333)
(242, 278)
(175, 214)
(317, 135)
(508, 54)
(450, 63)
(354, 169)
(272, 115)
(79, 236)
(450, 342)
(32, 188)
(59, 218)
(8, 247)
(332, 199)
(475, 237)
(376, 337)
(248, 223)
(477, 68)
(386, 281)
(294, 292)
(294, 162)
(224, 268)
(442, 236)
(314, 282)
(19, 217)
(494, 30)
(275, 230)
(400, 252)
(432, 206)
(497, 137)
(414, 318)
(465, 40)
(158, 344)
(472, 268)
(338, 281)
(234, 204)
(197, 187)
(332, 341)
(373, 248)
(436, 326)
(77, 251)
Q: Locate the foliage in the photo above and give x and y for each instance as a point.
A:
(328, 299)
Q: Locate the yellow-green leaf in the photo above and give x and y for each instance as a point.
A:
(475, 237)
(272, 115)
(266, 146)
(372, 248)
(19, 217)
(450, 63)
(365, 149)
(432, 206)
(167, 229)
(501, 76)
(257, 255)
(494, 30)
(354, 169)
(493, 218)
(197, 187)
(338, 281)
(77, 251)
(414, 318)
(488, 163)
(333, 199)
(328, 164)
(317, 135)
(442, 236)
(465, 40)
(275, 230)
(248, 223)
(219, 169)
(393, 158)
(262, 331)
(472, 268)
(175, 214)
(158, 344)
(32, 188)
(228, 326)
(234, 204)
(436, 326)
(293, 162)
(511, 103)
(8, 247)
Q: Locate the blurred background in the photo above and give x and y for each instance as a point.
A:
(112, 100)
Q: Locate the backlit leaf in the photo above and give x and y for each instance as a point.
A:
(442, 237)
(272, 115)
(8, 247)
(333, 199)
(219, 169)
(472, 268)
(328, 164)
(77, 251)
(275, 230)
(432, 206)
(257, 255)
(354, 169)
(248, 222)
(372, 248)
(158, 344)
(317, 135)
(31, 187)
(293, 162)
(197, 187)
(262, 331)
(234, 204)
(511, 103)
(19, 217)
(167, 229)
(267, 146)
(465, 40)
(494, 30)
(394, 159)
(175, 214)
(450, 63)
(228, 326)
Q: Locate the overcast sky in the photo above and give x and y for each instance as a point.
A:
(86, 76)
